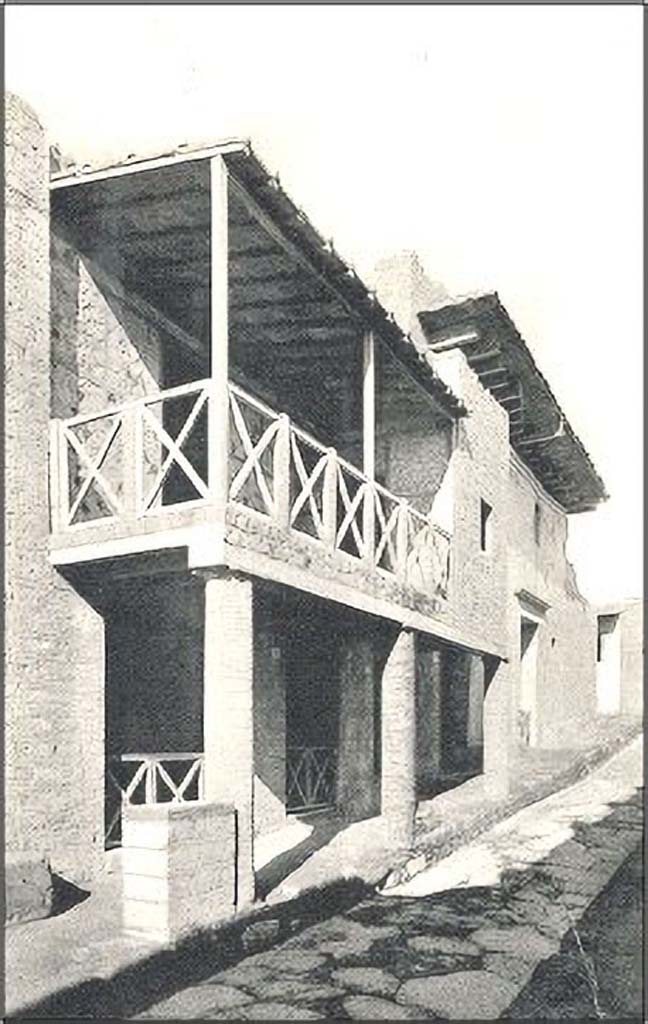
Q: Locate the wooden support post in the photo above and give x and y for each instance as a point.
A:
(369, 406)
(329, 499)
(281, 474)
(218, 443)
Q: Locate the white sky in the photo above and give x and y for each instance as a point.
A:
(502, 143)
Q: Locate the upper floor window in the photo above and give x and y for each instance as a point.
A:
(485, 528)
(537, 522)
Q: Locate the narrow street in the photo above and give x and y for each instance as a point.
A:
(507, 927)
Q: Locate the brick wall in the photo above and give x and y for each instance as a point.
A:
(566, 652)
(54, 640)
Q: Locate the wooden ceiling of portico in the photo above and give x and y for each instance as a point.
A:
(293, 339)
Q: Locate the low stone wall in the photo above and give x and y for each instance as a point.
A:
(178, 868)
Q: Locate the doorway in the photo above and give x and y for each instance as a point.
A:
(527, 711)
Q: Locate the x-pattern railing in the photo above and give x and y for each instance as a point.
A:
(90, 478)
(148, 779)
(250, 469)
(175, 456)
(306, 508)
(274, 469)
(311, 777)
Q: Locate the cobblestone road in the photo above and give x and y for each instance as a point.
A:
(460, 954)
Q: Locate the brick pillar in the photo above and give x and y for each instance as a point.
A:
(399, 738)
(228, 712)
(497, 727)
(355, 786)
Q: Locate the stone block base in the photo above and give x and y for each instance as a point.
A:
(28, 890)
(178, 868)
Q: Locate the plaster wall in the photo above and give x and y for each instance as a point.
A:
(632, 659)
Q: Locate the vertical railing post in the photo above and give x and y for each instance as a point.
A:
(132, 459)
(281, 474)
(402, 538)
(329, 499)
(150, 783)
(369, 525)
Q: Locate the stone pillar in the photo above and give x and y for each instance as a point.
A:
(355, 784)
(399, 738)
(428, 716)
(497, 727)
(228, 712)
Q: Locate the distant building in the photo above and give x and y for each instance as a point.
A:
(266, 552)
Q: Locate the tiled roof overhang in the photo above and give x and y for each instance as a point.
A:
(539, 430)
(251, 174)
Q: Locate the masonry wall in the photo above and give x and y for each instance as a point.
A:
(479, 471)
(54, 653)
(566, 656)
(103, 349)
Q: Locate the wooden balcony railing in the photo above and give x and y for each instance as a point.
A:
(152, 456)
(150, 779)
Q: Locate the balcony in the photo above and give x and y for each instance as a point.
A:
(154, 474)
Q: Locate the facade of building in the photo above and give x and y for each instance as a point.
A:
(265, 551)
(619, 658)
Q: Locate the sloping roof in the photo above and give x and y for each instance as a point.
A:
(249, 171)
(539, 430)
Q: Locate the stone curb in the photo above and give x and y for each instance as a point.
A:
(449, 838)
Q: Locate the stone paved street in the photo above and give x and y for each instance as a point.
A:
(439, 952)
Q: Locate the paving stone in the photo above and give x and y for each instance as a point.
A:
(443, 944)
(300, 990)
(243, 975)
(278, 1011)
(509, 967)
(370, 980)
(196, 1001)
(523, 942)
(292, 961)
(373, 1008)
(349, 938)
(457, 996)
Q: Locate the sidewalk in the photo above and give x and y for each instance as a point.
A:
(83, 953)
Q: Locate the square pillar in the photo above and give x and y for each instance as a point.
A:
(398, 784)
(497, 727)
(228, 712)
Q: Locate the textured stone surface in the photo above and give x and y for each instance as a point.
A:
(458, 995)
(444, 945)
(374, 1008)
(197, 1001)
(524, 942)
(370, 980)
(278, 1011)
